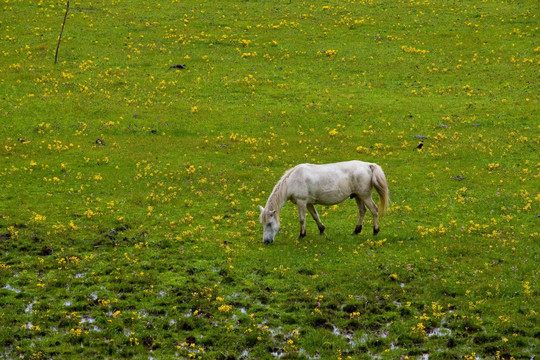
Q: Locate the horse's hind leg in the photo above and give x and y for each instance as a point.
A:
(361, 213)
(302, 217)
(375, 211)
(315, 216)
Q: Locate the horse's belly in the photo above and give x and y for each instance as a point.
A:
(330, 191)
(330, 197)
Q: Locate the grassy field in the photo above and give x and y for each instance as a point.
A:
(129, 190)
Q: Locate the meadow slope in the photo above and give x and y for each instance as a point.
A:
(129, 189)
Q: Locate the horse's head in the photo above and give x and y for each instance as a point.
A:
(270, 222)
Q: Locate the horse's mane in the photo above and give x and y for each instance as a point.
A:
(276, 198)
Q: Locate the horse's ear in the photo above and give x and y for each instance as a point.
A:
(261, 208)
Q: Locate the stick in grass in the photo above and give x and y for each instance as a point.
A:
(61, 31)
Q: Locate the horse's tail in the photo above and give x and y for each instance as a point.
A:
(378, 180)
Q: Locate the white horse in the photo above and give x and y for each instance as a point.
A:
(307, 185)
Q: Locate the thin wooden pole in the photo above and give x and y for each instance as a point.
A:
(61, 31)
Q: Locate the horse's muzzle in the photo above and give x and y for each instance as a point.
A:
(268, 241)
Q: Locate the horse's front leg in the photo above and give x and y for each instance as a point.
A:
(302, 217)
(315, 216)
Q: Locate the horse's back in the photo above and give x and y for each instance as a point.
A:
(344, 168)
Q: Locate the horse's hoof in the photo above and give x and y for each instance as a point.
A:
(321, 229)
(375, 231)
(357, 230)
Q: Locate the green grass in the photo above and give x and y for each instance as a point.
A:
(146, 243)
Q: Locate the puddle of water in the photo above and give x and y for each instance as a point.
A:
(87, 320)
(11, 288)
(440, 332)
(28, 309)
(278, 354)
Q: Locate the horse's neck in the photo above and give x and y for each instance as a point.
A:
(278, 197)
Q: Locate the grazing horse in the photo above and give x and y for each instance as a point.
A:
(307, 185)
